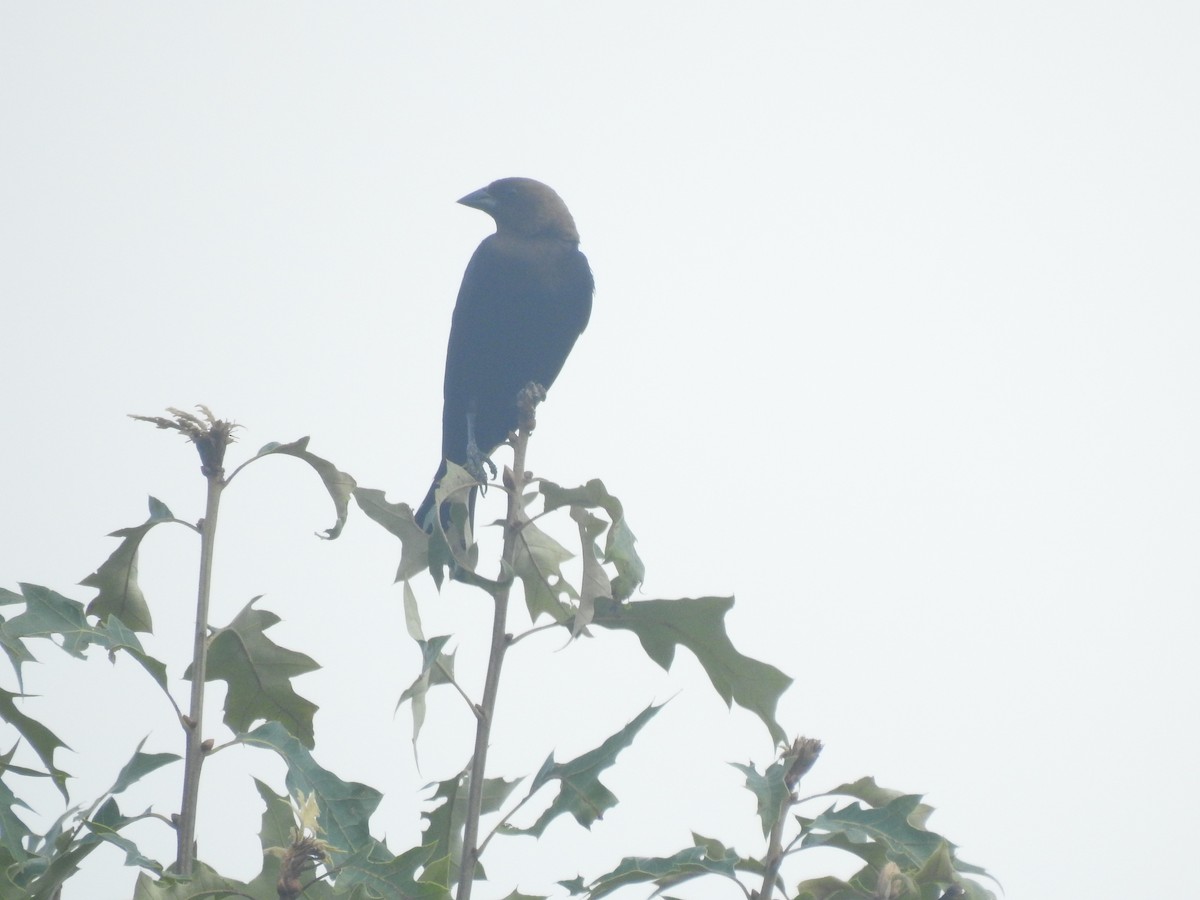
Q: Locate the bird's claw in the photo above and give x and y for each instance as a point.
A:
(479, 465)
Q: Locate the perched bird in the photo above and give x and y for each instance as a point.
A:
(525, 297)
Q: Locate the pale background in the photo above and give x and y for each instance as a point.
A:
(895, 337)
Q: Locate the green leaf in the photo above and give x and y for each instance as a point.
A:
(43, 741)
(828, 888)
(436, 668)
(580, 791)
(114, 636)
(13, 832)
(769, 790)
(204, 884)
(908, 846)
(443, 830)
(258, 674)
(383, 875)
(339, 485)
(397, 519)
(276, 834)
(663, 871)
(619, 548)
(105, 826)
(116, 579)
(699, 625)
(346, 807)
(49, 614)
(140, 764)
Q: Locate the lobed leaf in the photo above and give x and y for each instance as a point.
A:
(581, 792)
(258, 674)
(116, 579)
(699, 625)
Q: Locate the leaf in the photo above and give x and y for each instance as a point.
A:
(397, 519)
(580, 791)
(619, 547)
(204, 884)
(116, 579)
(594, 585)
(387, 876)
(140, 764)
(105, 826)
(828, 888)
(43, 741)
(48, 614)
(13, 832)
(436, 668)
(258, 673)
(769, 789)
(339, 485)
(443, 829)
(276, 834)
(346, 807)
(699, 625)
(889, 826)
(537, 561)
(663, 871)
(114, 636)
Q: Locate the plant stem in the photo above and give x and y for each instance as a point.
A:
(500, 642)
(194, 723)
(796, 760)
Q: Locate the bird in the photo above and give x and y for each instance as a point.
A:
(525, 298)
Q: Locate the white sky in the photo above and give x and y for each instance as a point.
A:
(895, 337)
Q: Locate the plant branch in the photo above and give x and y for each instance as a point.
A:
(526, 402)
(194, 721)
(797, 760)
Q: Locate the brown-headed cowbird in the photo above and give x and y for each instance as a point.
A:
(525, 297)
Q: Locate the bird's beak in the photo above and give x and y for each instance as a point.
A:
(479, 199)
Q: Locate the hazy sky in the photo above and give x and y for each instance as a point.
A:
(895, 337)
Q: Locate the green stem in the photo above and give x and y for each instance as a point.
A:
(194, 722)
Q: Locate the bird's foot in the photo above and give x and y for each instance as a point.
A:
(479, 465)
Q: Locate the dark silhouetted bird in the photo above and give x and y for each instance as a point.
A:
(525, 297)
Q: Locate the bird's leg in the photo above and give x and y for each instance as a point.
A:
(476, 460)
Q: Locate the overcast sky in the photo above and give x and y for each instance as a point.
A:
(895, 338)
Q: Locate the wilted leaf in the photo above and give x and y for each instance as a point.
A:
(699, 625)
(619, 547)
(594, 584)
(339, 485)
(258, 673)
(537, 561)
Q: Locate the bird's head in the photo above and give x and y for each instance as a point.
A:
(522, 206)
